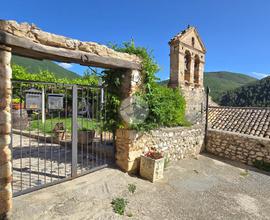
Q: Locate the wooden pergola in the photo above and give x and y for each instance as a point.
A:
(29, 41)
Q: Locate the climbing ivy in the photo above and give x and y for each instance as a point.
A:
(166, 105)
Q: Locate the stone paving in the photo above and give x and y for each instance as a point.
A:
(202, 188)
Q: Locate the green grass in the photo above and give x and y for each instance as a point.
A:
(47, 127)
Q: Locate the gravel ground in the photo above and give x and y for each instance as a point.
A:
(203, 188)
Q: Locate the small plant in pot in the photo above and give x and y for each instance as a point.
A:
(85, 135)
(152, 165)
(17, 104)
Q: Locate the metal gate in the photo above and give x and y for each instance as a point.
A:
(57, 133)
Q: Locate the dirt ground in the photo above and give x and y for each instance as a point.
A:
(203, 188)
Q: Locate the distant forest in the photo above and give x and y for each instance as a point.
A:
(253, 94)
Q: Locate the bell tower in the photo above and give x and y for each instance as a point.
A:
(187, 59)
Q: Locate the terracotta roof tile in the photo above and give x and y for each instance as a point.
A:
(251, 121)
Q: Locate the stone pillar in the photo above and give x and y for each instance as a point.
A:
(192, 62)
(201, 73)
(174, 66)
(5, 129)
(127, 156)
(127, 153)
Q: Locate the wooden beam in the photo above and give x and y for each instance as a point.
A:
(28, 48)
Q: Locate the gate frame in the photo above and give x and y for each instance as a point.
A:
(26, 47)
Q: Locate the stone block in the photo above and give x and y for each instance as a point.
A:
(6, 192)
(5, 206)
(4, 140)
(5, 57)
(5, 128)
(5, 155)
(129, 166)
(5, 170)
(151, 169)
(5, 117)
(5, 71)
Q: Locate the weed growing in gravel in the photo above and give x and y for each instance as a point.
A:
(244, 173)
(119, 205)
(132, 188)
(129, 214)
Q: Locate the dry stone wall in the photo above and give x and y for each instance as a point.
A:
(176, 143)
(238, 147)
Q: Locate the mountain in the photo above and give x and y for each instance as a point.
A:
(222, 81)
(254, 94)
(34, 66)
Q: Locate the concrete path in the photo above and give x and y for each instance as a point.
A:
(202, 188)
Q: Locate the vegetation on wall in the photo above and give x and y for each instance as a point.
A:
(166, 106)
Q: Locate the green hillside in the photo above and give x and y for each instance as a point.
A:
(253, 94)
(34, 66)
(222, 81)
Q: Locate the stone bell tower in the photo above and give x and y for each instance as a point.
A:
(187, 58)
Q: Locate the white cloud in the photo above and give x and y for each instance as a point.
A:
(260, 75)
(65, 65)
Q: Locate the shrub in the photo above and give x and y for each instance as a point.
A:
(262, 165)
(132, 188)
(119, 205)
(166, 105)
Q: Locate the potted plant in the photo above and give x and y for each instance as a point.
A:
(85, 135)
(152, 165)
(17, 104)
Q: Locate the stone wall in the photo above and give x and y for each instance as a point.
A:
(176, 143)
(195, 103)
(5, 129)
(238, 147)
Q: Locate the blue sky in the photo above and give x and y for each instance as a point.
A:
(236, 33)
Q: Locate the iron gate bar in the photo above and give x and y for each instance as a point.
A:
(55, 84)
(74, 131)
(55, 152)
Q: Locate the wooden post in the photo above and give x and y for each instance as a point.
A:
(5, 130)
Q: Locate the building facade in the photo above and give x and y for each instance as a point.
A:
(187, 59)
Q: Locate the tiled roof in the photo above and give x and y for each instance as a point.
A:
(251, 121)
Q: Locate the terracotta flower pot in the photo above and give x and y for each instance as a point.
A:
(151, 169)
(17, 106)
